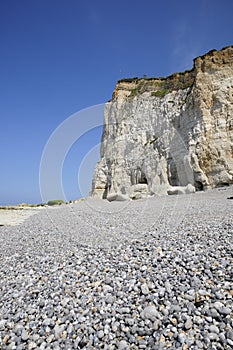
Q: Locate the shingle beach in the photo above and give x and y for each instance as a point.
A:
(147, 274)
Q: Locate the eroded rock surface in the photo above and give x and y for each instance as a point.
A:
(168, 132)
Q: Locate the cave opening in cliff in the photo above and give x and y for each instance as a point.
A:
(104, 196)
(143, 180)
(138, 177)
(199, 186)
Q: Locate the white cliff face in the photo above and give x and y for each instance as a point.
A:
(163, 133)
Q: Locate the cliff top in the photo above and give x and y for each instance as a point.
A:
(160, 86)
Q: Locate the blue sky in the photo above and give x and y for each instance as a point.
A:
(61, 56)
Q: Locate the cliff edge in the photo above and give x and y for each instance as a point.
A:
(169, 135)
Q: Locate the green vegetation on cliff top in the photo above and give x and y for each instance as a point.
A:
(159, 87)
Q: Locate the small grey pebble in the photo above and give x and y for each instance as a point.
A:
(213, 313)
(225, 310)
(32, 345)
(212, 336)
(230, 334)
(24, 335)
(218, 305)
(100, 334)
(124, 310)
(150, 312)
(188, 324)
(230, 342)
(213, 329)
(143, 268)
(123, 345)
(181, 338)
(145, 289)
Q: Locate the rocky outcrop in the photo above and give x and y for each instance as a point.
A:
(168, 132)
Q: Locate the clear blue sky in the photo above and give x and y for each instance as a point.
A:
(58, 57)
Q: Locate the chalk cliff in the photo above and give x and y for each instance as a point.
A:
(162, 135)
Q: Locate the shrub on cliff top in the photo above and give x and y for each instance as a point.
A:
(128, 80)
(56, 202)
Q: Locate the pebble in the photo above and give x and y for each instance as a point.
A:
(2, 325)
(214, 329)
(32, 345)
(225, 311)
(181, 338)
(100, 334)
(120, 276)
(124, 310)
(123, 345)
(24, 335)
(145, 289)
(212, 336)
(150, 312)
(213, 313)
(230, 342)
(188, 324)
(229, 334)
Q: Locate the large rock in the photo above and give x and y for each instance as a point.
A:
(181, 189)
(168, 132)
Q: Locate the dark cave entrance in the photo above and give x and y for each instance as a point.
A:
(143, 180)
(138, 177)
(199, 186)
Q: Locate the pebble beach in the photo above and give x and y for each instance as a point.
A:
(148, 274)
